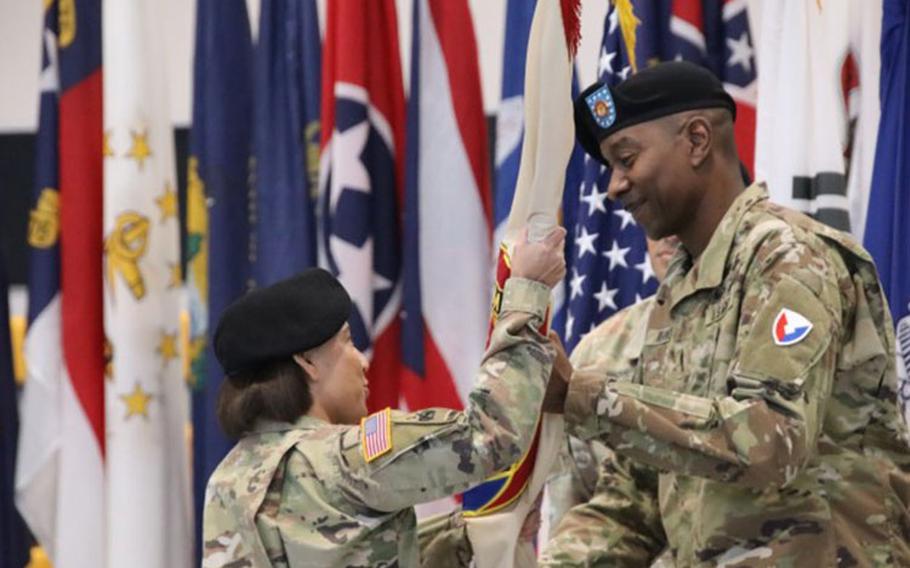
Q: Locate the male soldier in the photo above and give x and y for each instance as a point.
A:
(586, 482)
(765, 390)
(312, 481)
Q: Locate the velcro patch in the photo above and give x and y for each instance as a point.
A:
(790, 327)
(761, 356)
(376, 434)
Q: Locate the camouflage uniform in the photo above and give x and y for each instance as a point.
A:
(769, 455)
(593, 483)
(303, 494)
(612, 348)
(443, 541)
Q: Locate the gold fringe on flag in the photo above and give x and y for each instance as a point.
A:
(628, 22)
(39, 559)
(17, 326)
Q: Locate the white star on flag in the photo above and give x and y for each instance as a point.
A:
(605, 297)
(605, 64)
(617, 255)
(595, 201)
(380, 282)
(355, 267)
(647, 272)
(740, 52)
(49, 78)
(585, 242)
(626, 218)
(575, 284)
(354, 262)
(347, 146)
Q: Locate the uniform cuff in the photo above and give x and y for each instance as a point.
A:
(584, 390)
(523, 295)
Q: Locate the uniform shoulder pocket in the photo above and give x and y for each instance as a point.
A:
(786, 333)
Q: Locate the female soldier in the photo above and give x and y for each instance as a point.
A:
(312, 481)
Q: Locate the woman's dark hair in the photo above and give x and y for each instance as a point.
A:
(276, 391)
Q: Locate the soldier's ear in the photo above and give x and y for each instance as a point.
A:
(699, 134)
(306, 363)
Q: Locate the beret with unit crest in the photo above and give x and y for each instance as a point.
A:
(658, 91)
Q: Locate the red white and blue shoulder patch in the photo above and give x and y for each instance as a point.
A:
(376, 434)
(790, 327)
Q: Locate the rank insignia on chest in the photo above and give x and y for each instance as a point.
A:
(789, 327)
(376, 434)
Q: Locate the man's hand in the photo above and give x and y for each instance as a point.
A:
(554, 399)
(542, 261)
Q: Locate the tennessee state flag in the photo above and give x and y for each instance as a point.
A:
(447, 210)
(361, 179)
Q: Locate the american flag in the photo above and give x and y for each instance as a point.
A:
(375, 429)
(609, 268)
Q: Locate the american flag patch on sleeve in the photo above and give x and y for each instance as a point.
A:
(376, 434)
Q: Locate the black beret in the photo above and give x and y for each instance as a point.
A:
(659, 90)
(280, 320)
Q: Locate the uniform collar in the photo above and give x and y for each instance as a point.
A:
(303, 423)
(708, 271)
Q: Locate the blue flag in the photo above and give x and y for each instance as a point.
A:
(609, 267)
(218, 240)
(286, 138)
(887, 234)
(13, 537)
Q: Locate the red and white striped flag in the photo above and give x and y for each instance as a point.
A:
(446, 270)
